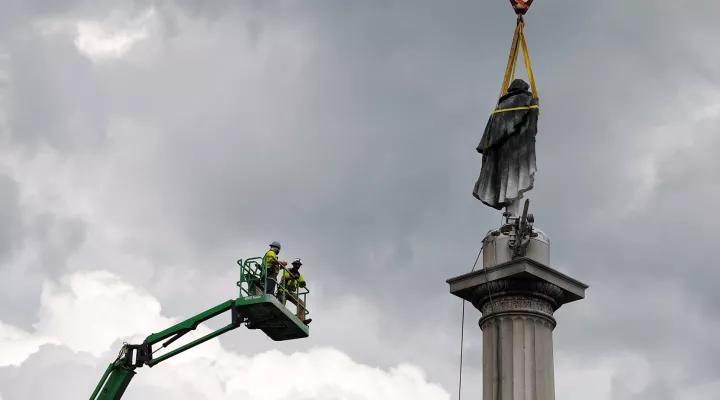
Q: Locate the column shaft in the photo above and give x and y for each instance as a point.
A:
(517, 349)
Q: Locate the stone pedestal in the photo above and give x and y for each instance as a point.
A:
(517, 300)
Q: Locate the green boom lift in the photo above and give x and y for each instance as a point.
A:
(255, 308)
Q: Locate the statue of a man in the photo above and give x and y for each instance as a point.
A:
(508, 149)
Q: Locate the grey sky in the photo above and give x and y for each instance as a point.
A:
(347, 131)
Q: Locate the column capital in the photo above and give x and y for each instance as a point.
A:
(519, 275)
(550, 293)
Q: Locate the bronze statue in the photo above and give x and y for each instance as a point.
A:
(508, 149)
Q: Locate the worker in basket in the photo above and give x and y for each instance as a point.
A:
(272, 269)
(291, 280)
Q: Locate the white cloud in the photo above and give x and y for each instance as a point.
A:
(17, 344)
(94, 41)
(113, 37)
(104, 38)
(616, 377)
(91, 311)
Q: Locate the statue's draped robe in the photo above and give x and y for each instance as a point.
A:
(508, 148)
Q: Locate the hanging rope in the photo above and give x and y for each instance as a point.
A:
(462, 329)
(462, 323)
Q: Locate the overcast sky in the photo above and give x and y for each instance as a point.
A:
(146, 146)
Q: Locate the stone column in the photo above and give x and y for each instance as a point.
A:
(517, 300)
(517, 325)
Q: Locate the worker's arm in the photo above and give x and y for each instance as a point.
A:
(272, 259)
(285, 276)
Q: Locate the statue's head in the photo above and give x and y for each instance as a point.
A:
(518, 85)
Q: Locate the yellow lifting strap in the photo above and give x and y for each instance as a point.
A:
(518, 38)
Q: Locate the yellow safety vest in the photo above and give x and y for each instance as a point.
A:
(273, 268)
(291, 282)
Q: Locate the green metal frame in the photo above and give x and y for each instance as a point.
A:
(259, 311)
(253, 271)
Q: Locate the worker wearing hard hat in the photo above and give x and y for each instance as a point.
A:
(291, 280)
(272, 266)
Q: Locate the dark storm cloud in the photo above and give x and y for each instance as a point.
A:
(45, 105)
(10, 220)
(378, 73)
(655, 260)
(361, 158)
(11, 241)
(21, 277)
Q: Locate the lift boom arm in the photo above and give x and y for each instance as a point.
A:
(119, 374)
(255, 307)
